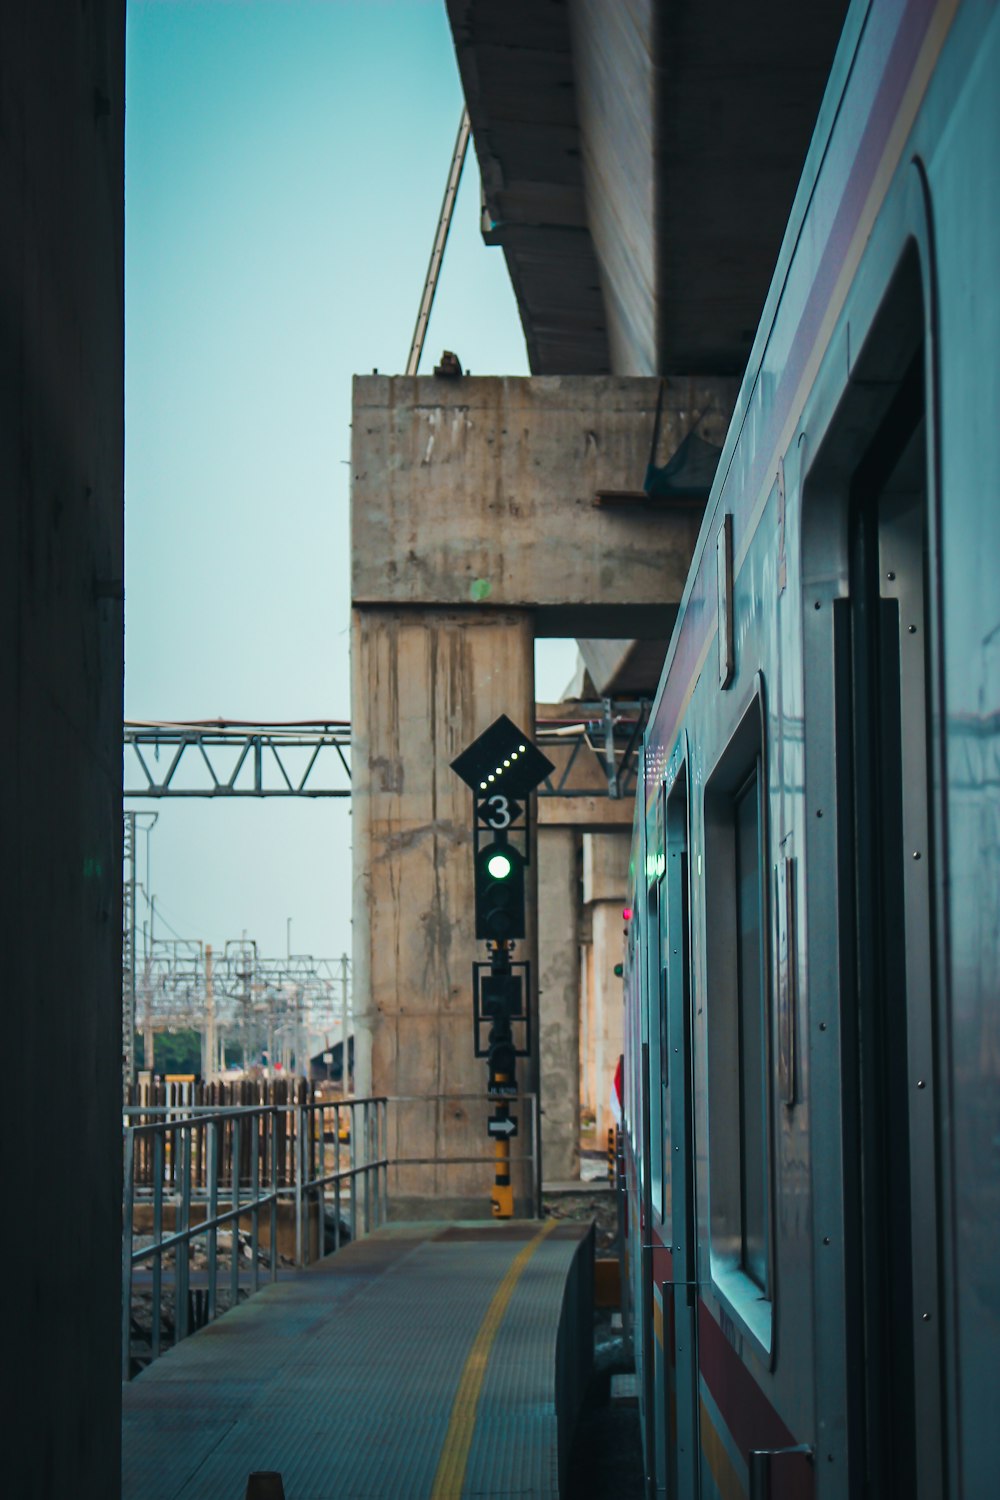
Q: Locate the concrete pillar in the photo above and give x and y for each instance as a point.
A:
(559, 875)
(605, 875)
(425, 684)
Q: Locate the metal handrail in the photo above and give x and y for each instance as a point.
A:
(252, 1133)
(230, 1159)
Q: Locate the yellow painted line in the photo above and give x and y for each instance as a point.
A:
(450, 1476)
(721, 1466)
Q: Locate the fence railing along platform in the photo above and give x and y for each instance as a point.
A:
(227, 1187)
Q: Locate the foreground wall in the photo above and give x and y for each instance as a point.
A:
(61, 650)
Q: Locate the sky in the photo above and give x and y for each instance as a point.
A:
(285, 164)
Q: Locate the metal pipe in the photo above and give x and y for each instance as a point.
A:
(440, 241)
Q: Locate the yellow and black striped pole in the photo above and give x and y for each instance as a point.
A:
(503, 1192)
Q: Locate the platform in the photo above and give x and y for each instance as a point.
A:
(426, 1362)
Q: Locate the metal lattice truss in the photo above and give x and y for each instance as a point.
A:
(183, 985)
(226, 758)
(594, 750)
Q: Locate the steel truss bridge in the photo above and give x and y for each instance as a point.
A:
(238, 993)
(594, 751)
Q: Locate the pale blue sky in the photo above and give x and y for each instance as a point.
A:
(285, 161)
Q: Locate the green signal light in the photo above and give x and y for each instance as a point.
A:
(499, 866)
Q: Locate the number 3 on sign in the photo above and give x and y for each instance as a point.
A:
(499, 811)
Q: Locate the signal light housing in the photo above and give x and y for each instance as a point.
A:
(499, 892)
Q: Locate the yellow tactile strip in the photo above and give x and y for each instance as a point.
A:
(450, 1476)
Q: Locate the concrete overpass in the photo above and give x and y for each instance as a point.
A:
(639, 160)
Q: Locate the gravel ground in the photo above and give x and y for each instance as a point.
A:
(606, 1462)
(576, 1208)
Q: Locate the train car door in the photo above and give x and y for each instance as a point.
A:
(891, 1154)
(678, 1071)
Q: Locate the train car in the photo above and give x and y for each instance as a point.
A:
(812, 1033)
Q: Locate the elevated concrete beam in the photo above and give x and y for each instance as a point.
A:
(481, 491)
(589, 814)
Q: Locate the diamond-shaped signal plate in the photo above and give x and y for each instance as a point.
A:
(502, 760)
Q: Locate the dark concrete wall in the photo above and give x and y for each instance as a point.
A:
(61, 650)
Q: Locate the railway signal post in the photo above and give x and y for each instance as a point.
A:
(502, 769)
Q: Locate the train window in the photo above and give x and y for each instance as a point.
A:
(651, 977)
(678, 1184)
(738, 1006)
(750, 988)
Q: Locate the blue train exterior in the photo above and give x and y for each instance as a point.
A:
(812, 990)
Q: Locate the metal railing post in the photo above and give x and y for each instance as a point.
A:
(353, 1178)
(536, 1158)
(366, 1129)
(234, 1270)
(274, 1194)
(336, 1184)
(157, 1307)
(336, 1177)
(255, 1199)
(182, 1250)
(212, 1167)
(126, 1328)
(299, 1170)
(385, 1159)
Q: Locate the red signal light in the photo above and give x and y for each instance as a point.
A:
(627, 913)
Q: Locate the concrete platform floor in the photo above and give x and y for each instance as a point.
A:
(419, 1363)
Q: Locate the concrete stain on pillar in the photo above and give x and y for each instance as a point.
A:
(388, 773)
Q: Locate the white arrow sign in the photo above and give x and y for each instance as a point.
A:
(504, 1127)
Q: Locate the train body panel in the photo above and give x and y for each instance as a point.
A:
(813, 960)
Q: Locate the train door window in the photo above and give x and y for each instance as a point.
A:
(682, 1416)
(750, 988)
(738, 1007)
(654, 1053)
(676, 1002)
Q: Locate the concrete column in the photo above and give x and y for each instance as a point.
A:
(559, 999)
(425, 684)
(605, 875)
